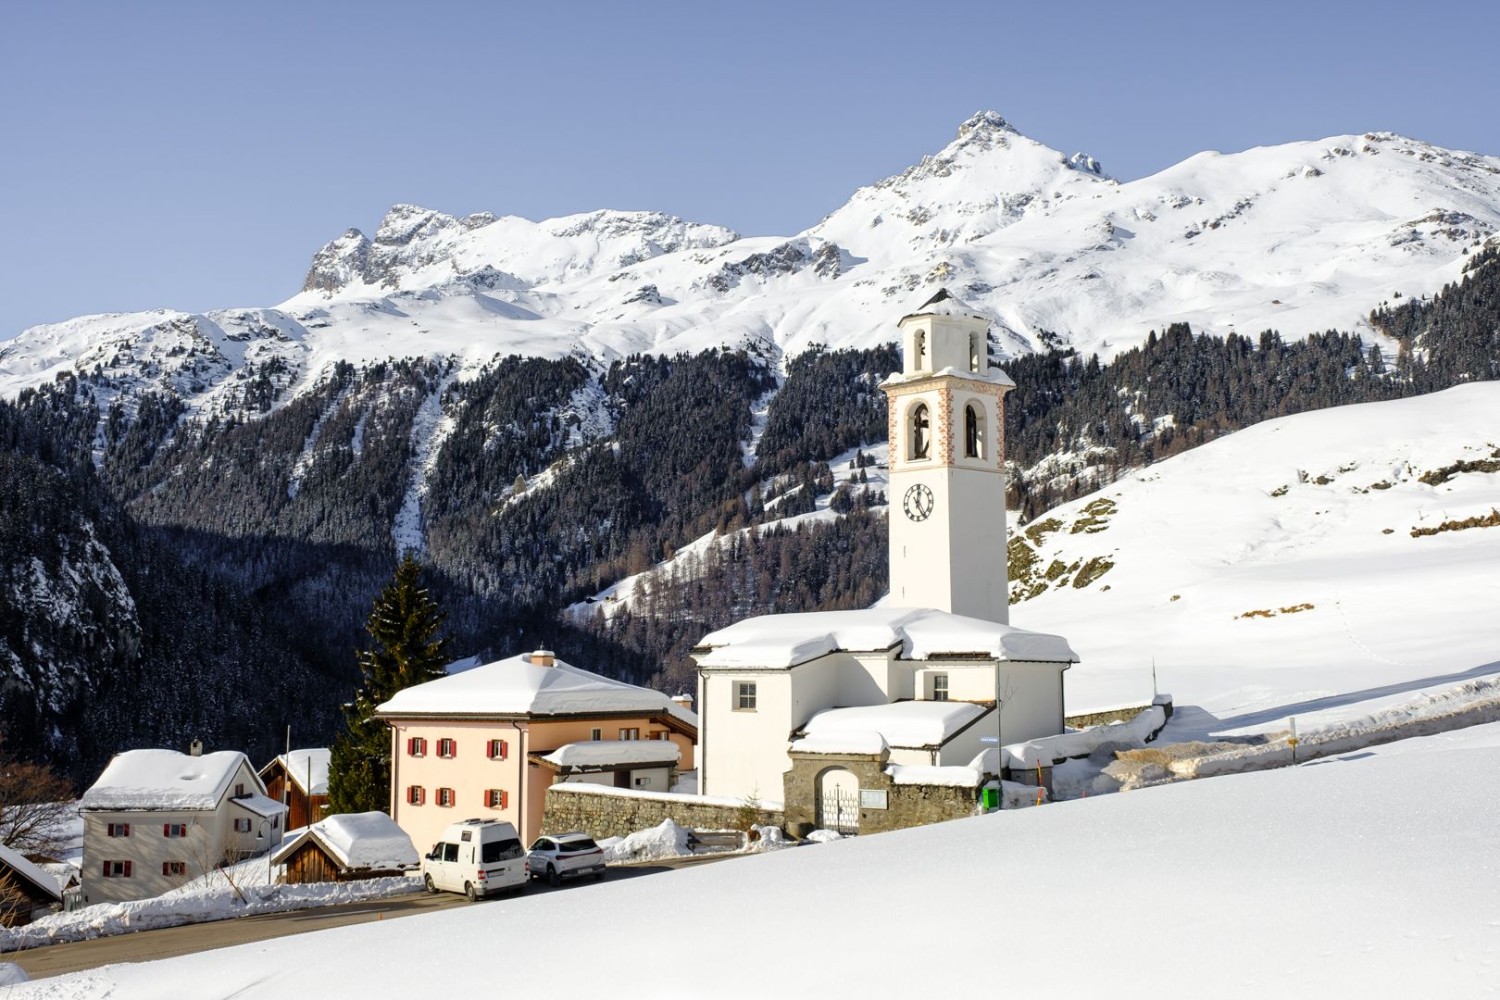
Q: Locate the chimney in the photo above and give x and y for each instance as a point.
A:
(195, 748)
(684, 700)
(543, 658)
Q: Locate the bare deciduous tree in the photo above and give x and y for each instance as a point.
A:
(36, 807)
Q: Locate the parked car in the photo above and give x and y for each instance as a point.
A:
(478, 857)
(566, 855)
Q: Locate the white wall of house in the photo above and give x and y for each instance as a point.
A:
(1033, 696)
(743, 752)
(210, 838)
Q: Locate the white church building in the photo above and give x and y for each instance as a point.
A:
(928, 679)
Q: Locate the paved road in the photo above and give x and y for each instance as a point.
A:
(146, 946)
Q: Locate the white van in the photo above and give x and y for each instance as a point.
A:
(478, 857)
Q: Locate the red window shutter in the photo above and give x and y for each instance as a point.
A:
(127, 869)
(504, 799)
(166, 831)
(504, 749)
(166, 867)
(106, 869)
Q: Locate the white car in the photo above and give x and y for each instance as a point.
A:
(557, 856)
(477, 858)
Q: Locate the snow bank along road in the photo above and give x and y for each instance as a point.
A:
(170, 942)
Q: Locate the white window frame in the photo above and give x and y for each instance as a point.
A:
(746, 696)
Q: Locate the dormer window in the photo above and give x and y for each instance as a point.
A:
(921, 431)
(973, 432)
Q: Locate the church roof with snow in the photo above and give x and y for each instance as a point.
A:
(518, 687)
(945, 303)
(775, 642)
(906, 724)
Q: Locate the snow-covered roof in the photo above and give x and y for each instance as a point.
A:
(165, 779)
(260, 805)
(603, 753)
(296, 764)
(30, 872)
(516, 686)
(929, 774)
(854, 741)
(357, 840)
(775, 642)
(945, 303)
(900, 724)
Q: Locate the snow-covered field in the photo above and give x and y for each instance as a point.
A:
(1369, 875)
(1274, 573)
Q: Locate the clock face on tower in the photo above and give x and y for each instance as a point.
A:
(918, 503)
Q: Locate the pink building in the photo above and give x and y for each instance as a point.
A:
(484, 743)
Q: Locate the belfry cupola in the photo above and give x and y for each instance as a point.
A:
(947, 462)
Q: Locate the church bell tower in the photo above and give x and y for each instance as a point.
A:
(947, 465)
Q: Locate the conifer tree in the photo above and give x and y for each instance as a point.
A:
(407, 650)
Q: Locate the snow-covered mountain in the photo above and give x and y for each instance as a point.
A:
(1300, 237)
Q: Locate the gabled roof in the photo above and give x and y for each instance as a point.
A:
(166, 779)
(356, 840)
(775, 642)
(945, 303)
(25, 869)
(518, 687)
(296, 765)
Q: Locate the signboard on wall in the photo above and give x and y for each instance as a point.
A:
(872, 798)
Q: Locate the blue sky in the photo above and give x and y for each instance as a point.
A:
(195, 155)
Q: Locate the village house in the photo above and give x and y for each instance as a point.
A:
(488, 741)
(157, 818)
(26, 891)
(299, 781)
(345, 848)
(830, 712)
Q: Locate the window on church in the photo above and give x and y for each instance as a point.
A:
(921, 431)
(939, 687)
(976, 347)
(744, 696)
(919, 351)
(973, 432)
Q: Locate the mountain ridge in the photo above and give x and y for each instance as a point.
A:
(1300, 237)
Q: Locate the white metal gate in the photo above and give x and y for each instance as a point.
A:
(838, 801)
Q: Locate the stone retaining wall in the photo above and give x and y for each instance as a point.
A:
(610, 812)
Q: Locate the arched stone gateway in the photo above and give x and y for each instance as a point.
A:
(838, 801)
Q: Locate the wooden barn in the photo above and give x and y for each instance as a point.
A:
(26, 892)
(345, 848)
(299, 780)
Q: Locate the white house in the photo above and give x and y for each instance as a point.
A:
(158, 818)
(886, 680)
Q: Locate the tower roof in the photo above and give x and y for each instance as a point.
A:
(945, 303)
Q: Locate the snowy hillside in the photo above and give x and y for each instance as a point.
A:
(1325, 566)
(1361, 876)
(1301, 237)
